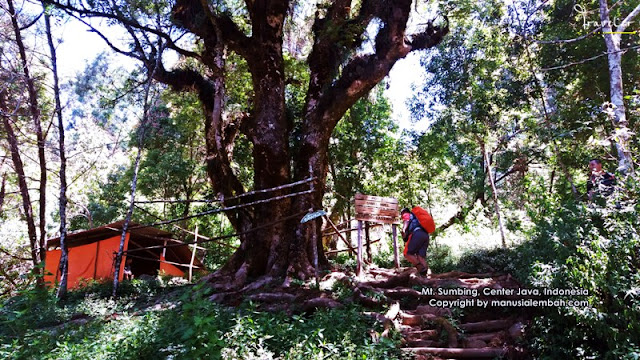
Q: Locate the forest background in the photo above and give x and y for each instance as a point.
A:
(518, 97)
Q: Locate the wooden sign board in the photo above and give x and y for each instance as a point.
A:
(376, 209)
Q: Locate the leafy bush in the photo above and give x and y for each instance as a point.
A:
(488, 260)
(440, 259)
(593, 246)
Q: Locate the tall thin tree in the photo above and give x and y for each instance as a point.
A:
(34, 110)
(134, 181)
(64, 256)
(614, 57)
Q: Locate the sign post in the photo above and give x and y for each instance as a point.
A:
(375, 209)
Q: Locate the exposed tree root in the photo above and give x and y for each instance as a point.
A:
(272, 297)
(427, 330)
(460, 353)
(487, 325)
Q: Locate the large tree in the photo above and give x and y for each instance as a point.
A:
(340, 72)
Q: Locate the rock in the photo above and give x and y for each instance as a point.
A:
(516, 331)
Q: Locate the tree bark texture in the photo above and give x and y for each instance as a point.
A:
(494, 190)
(18, 166)
(338, 78)
(614, 56)
(64, 255)
(34, 110)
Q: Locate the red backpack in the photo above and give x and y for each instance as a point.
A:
(424, 218)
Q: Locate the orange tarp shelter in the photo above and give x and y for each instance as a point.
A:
(92, 254)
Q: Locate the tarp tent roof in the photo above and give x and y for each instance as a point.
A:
(140, 237)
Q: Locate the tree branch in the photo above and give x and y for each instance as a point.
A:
(188, 14)
(625, 23)
(569, 41)
(84, 12)
(362, 73)
(588, 59)
(461, 214)
(335, 34)
(219, 134)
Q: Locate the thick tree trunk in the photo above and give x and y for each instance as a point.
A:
(614, 57)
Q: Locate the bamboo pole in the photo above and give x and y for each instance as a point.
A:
(193, 255)
(333, 232)
(162, 261)
(339, 234)
(394, 230)
(181, 229)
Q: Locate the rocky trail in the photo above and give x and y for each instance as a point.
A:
(449, 315)
(452, 315)
(479, 332)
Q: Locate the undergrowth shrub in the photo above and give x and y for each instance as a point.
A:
(488, 260)
(191, 327)
(440, 258)
(211, 331)
(593, 246)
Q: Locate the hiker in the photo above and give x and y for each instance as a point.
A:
(127, 274)
(600, 182)
(416, 242)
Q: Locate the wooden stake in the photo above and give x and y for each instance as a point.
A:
(359, 259)
(337, 232)
(193, 255)
(351, 249)
(368, 239)
(396, 260)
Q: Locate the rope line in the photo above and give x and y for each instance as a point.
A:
(223, 236)
(214, 211)
(311, 179)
